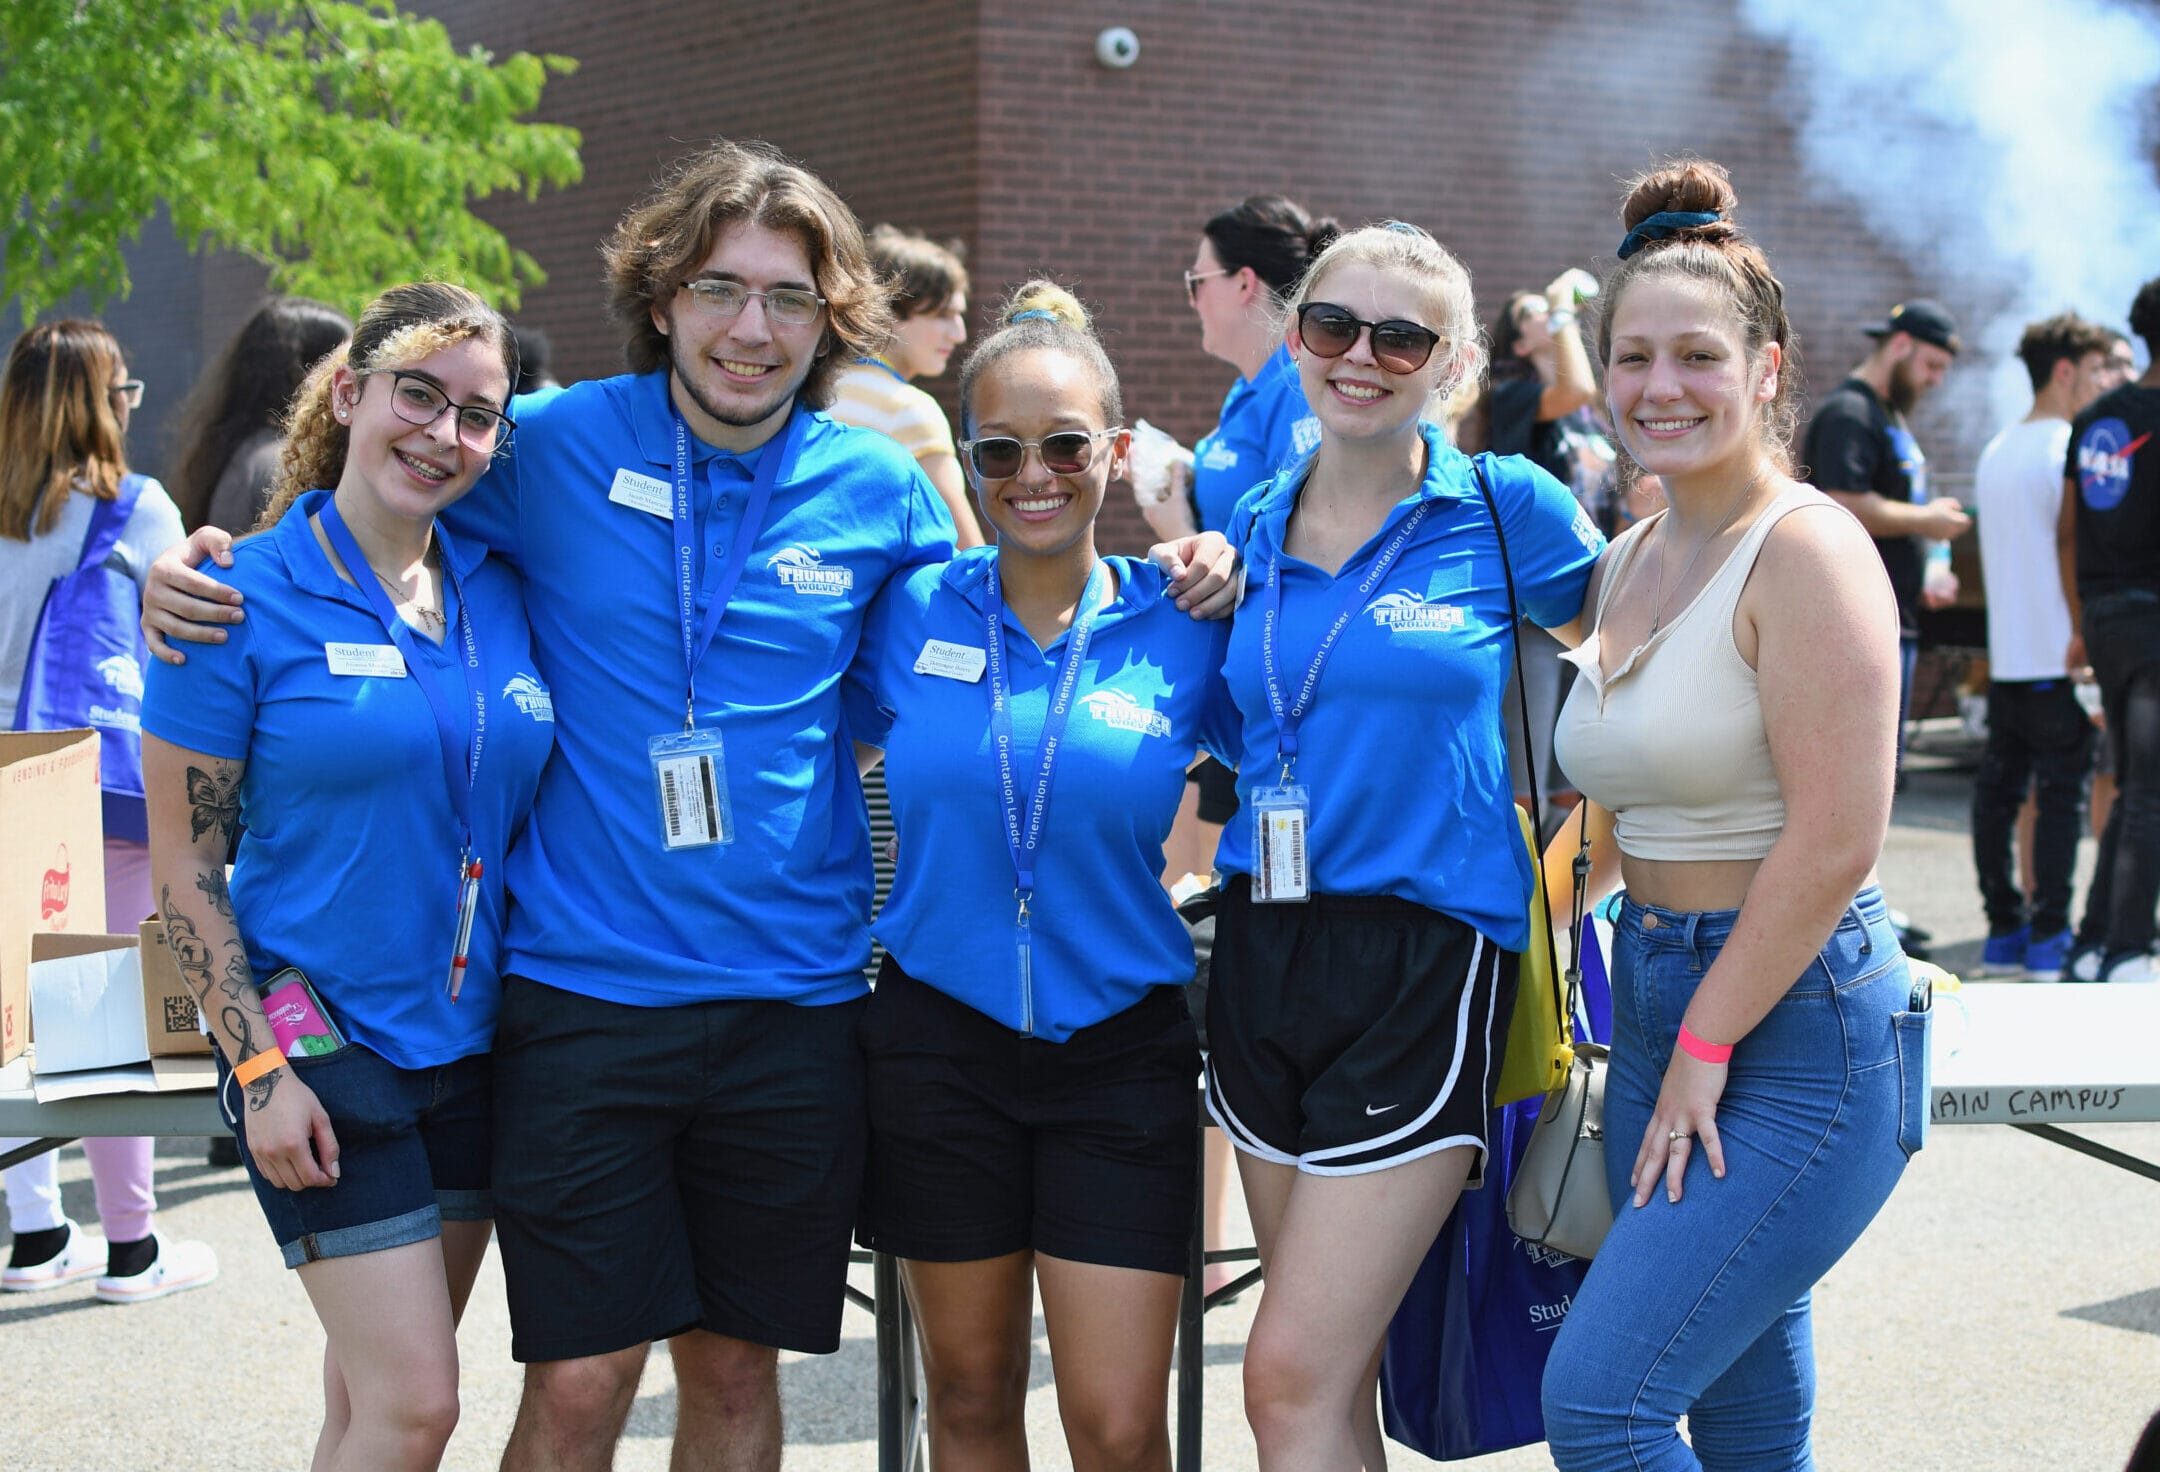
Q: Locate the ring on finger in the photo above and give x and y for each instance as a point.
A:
(1677, 1136)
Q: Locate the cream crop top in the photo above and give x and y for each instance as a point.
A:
(1673, 744)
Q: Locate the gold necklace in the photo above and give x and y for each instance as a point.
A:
(432, 617)
(1657, 605)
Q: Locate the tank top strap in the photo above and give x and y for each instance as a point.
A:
(1624, 549)
(1733, 575)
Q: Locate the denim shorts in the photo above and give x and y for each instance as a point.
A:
(1701, 1308)
(413, 1153)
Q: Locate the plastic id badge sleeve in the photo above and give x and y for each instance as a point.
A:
(1279, 817)
(690, 780)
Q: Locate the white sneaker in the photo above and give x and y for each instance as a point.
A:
(2133, 969)
(82, 1257)
(178, 1267)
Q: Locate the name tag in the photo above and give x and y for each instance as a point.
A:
(949, 661)
(365, 659)
(646, 493)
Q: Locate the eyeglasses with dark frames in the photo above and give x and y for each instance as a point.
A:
(420, 400)
(1398, 346)
(787, 305)
(1068, 452)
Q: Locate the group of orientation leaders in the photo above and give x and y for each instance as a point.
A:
(681, 605)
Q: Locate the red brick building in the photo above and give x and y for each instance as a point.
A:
(1504, 128)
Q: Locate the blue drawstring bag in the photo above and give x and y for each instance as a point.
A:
(1465, 1358)
(86, 662)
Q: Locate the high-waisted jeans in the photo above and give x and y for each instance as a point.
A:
(1701, 1309)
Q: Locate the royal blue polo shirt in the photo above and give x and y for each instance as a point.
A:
(347, 868)
(1265, 427)
(1402, 753)
(580, 503)
(1149, 694)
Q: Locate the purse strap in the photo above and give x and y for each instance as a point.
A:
(1530, 765)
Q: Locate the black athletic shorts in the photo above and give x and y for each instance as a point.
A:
(1218, 790)
(1352, 1032)
(984, 1142)
(660, 1169)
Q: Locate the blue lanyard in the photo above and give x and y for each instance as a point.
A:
(696, 637)
(881, 363)
(1351, 601)
(1024, 830)
(456, 751)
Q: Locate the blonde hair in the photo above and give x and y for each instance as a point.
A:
(59, 432)
(403, 325)
(1397, 247)
(1042, 314)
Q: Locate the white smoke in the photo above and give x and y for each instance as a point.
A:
(2004, 147)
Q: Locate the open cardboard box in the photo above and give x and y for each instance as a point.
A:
(93, 1024)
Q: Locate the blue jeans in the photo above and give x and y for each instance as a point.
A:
(1701, 1309)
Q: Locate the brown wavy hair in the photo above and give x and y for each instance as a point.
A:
(1721, 254)
(657, 246)
(403, 325)
(58, 431)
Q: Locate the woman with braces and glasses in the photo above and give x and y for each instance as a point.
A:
(1378, 880)
(1030, 1055)
(378, 728)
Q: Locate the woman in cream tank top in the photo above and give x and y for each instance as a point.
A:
(1737, 717)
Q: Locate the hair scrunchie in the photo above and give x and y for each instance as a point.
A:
(1033, 314)
(1664, 225)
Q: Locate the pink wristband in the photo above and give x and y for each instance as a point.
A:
(1696, 1048)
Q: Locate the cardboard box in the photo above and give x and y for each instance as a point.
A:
(93, 1026)
(52, 858)
(170, 1015)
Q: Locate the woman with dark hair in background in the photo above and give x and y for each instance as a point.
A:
(229, 424)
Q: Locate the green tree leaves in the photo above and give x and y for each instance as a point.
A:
(338, 142)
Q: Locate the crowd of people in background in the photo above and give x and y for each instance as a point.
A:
(562, 700)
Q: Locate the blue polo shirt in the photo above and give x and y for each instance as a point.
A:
(1265, 427)
(347, 867)
(1148, 694)
(580, 504)
(1402, 752)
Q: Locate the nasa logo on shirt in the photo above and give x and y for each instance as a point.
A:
(803, 568)
(1408, 613)
(531, 697)
(2103, 462)
(1120, 712)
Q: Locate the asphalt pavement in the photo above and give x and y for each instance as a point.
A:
(2001, 1315)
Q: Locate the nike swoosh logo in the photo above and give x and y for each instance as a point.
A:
(1382, 1109)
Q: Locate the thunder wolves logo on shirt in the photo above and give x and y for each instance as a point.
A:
(803, 569)
(2103, 462)
(1120, 712)
(1215, 455)
(532, 697)
(122, 675)
(1408, 612)
(1305, 435)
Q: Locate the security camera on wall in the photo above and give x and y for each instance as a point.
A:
(1117, 47)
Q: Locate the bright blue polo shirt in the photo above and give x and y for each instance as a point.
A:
(347, 867)
(1149, 692)
(580, 504)
(1402, 752)
(1265, 427)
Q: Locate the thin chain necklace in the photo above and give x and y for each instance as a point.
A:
(434, 618)
(1657, 606)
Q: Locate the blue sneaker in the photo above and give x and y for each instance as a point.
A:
(2047, 955)
(2004, 955)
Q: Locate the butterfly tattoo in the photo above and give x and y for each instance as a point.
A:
(213, 800)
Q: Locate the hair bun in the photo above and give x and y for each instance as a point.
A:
(1686, 186)
(1323, 234)
(1045, 299)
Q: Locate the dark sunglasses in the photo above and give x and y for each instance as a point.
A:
(1068, 452)
(1398, 346)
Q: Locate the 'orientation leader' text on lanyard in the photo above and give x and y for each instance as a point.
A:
(1027, 806)
(459, 749)
(1281, 813)
(690, 765)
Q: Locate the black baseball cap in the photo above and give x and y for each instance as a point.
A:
(1923, 321)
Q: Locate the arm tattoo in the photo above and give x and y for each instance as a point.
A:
(236, 1026)
(212, 883)
(214, 800)
(191, 953)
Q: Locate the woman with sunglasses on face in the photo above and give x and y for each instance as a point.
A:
(1031, 1059)
(1359, 975)
(69, 508)
(1768, 1078)
(377, 726)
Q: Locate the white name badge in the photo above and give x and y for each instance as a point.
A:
(646, 493)
(950, 661)
(365, 659)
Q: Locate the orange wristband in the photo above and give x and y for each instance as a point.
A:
(255, 1067)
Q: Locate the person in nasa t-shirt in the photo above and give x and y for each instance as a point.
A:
(2110, 541)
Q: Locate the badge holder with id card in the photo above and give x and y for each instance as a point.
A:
(1280, 815)
(690, 778)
